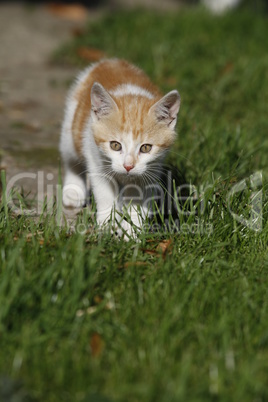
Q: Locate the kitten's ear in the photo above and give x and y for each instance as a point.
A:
(167, 108)
(101, 101)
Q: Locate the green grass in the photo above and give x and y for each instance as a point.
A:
(88, 318)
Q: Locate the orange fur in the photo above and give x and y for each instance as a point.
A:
(133, 117)
(132, 109)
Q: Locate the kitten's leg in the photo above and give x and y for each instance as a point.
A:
(105, 194)
(74, 188)
(130, 225)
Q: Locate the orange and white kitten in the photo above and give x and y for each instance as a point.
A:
(117, 129)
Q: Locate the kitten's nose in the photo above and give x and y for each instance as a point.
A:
(128, 167)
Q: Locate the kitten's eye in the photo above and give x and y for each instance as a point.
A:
(145, 148)
(116, 146)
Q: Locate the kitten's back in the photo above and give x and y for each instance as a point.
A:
(113, 73)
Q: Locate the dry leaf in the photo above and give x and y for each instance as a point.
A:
(135, 264)
(96, 345)
(165, 246)
(150, 252)
(97, 299)
(71, 12)
(90, 53)
(161, 250)
(77, 32)
(29, 237)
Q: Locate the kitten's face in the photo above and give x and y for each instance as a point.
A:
(135, 133)
(130, 155)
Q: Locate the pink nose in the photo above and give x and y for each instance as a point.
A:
(128, 167)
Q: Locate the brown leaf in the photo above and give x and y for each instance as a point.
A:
(97, 299)
(150, 252)
(161, 250)
(71, 12)
(135, 264)
(96, 345)
(29, 237)
(77, 32)
(165, 247)
(90, 53)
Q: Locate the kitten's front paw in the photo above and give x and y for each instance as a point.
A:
(73, 196)
(118, 227)
(125, 230)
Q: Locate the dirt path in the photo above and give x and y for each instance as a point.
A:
(32, 93)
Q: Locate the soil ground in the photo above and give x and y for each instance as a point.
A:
(32, 92)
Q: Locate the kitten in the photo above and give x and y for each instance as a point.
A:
(117, 129)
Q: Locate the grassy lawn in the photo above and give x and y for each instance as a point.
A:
(177, 316)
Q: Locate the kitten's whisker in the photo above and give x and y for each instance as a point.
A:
(155, 178)
(83, 172)
(148, 179)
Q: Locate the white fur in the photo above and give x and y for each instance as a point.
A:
(111, 192)
(74, 187)
(130, 89)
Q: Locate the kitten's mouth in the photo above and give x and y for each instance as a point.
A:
(129, 176)
(132, 173)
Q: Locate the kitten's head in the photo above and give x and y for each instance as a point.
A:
(133, 131)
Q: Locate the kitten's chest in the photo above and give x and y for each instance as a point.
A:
(138, 191)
